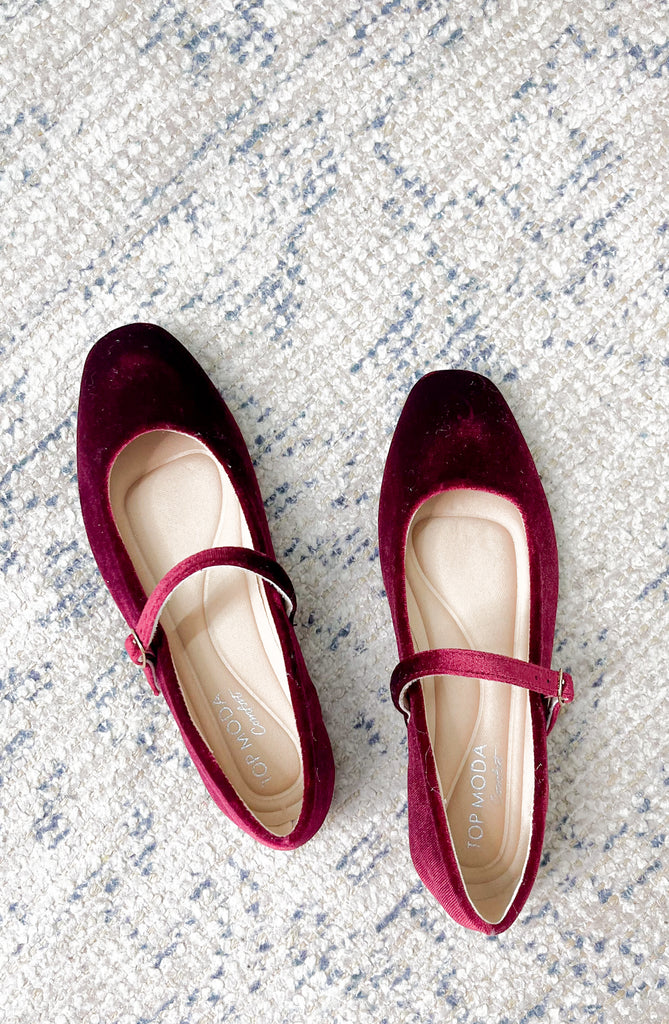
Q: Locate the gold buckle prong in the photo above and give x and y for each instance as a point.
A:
(140, 647)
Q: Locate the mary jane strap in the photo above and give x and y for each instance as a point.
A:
(555, 685)
(138, 642)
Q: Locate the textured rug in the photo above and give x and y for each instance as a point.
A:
(324, 200)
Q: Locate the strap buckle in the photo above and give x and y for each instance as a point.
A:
(143, 656)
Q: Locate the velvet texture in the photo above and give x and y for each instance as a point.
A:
(455, 661)
(456, 431)
(136, 379)
(138, 643)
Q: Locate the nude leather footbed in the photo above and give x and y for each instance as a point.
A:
(171, 498)
(467, 573)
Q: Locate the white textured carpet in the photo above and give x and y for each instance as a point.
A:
(323, 201)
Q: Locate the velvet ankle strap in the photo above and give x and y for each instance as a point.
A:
(557, 686)
(138, 643)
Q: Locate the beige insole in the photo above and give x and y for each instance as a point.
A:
(467, 570)
(171, 498)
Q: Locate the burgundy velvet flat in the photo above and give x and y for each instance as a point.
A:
(176, 523)
(469, 562)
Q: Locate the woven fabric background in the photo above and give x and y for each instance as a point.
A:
(322, 201)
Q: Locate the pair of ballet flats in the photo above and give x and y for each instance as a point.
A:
(176, 523)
